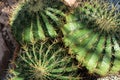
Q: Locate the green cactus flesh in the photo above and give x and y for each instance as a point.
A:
(92, 34)
(38, 24)
(46, 61)
(12, 74)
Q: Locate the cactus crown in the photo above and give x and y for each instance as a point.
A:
(101, 15)
(35, 5)
(38, 5)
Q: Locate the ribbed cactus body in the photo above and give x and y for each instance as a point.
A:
(29, 21)
(46, 61)
(94, 42)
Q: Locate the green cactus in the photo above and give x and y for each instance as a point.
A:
(12, 74)
(37, 18)
(46, 61)
(92, 34)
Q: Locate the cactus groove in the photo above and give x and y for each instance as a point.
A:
(92, 33)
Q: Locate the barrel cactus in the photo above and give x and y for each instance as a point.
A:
(40, 18)
(92, 33)
(46, 61)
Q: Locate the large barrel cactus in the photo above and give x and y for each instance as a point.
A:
(92, 33)
(39, 18)
(45, 61)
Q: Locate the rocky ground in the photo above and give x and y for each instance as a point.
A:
(7, 42)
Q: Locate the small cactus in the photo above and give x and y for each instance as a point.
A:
(46, 61)
(92, 34)
(37, 18)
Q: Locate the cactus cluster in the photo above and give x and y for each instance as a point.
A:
(92, 34)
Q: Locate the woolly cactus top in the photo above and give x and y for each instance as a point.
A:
(35, 5)
(39, 5)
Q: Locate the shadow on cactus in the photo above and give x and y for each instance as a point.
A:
(46, 61)
(92, 33)
(40, 18)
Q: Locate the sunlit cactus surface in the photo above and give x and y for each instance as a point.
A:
(92, 33)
